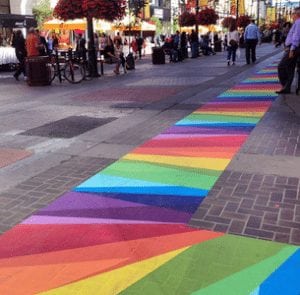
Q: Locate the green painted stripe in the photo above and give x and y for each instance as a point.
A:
(222, 118)
(196, 178)
(205, 264)
(245, 281)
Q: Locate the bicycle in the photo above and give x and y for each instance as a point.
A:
(66, 68)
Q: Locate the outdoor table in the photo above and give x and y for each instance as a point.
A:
(7, 56)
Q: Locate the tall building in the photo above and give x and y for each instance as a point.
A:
(161, 9)
(22, 6)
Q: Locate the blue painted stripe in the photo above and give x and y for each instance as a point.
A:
(211, 124)
(285, 280)
(167, 190)
(184, 204)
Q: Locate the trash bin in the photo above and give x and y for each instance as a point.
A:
(218, 46)
(158, 56)
(38, 71)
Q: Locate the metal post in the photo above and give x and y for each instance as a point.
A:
(237, 9)
(257, 17)
(91, 49)
(197, 12)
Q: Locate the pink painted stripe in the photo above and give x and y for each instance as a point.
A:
(36, 219)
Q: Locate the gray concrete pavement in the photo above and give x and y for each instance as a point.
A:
(143, 103)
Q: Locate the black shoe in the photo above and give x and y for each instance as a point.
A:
(283, 91)
(16, 77)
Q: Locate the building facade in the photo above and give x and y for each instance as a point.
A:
(4, 6)
(161, 9)
(23, 7)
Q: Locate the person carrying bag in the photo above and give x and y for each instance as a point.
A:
(233, 44)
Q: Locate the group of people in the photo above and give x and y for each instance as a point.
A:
(113, 48)
(34, 45)
(176, 46)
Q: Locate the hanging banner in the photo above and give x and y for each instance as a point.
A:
(203, 3)
(273, 14)
(147, 13)
(240, 4)
(242, 10)
(233, 7)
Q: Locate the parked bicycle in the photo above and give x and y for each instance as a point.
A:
(67, 68)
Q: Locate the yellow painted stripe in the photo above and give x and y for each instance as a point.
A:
(190, 162)
(115, 281)
(239, 114)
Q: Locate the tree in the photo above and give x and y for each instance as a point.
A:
(187, 19)
(69, 9)
(42, 11)
(243, 21)
(228, 22)
(158, 24)
(207, 16)
(101, 9)
(136, 6)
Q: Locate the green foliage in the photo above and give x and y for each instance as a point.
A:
(137, 5)
(42, 11)
(158, 23)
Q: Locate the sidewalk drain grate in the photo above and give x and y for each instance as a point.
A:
(68, 127)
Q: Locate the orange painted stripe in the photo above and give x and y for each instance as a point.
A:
(213, 152)
(32, 274)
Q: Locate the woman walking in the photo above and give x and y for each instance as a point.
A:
(233, 44)
(19, 44)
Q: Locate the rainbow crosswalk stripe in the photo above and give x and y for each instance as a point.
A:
(123, 231)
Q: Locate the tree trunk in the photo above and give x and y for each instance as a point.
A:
(91, 49)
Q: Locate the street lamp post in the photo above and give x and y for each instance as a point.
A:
(197, 12)
(257, 16)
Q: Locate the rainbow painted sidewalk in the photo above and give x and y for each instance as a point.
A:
(124, 230)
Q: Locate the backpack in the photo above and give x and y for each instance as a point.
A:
(233, 43)
(130, 64)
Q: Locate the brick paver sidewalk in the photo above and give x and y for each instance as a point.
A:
(122, 231)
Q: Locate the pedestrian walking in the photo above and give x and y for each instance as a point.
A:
(252, 38)
(287, 65)
(140, 43)
(43, 46)
(80, 47)
(32, 43)
(194, 42)
(233, 44)
(19, 44)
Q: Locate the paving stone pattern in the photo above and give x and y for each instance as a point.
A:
(9, 156)
(277, 134)
(135, 94)
(20, 202)
(254, 205)
(68, 127)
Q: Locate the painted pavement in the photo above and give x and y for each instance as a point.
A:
(124, 230)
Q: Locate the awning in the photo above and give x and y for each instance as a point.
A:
(56, 24)
(17, 21)
(144, 26)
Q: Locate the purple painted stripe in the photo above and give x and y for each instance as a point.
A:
(193, 135)
(81, 201)
(127, 213)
